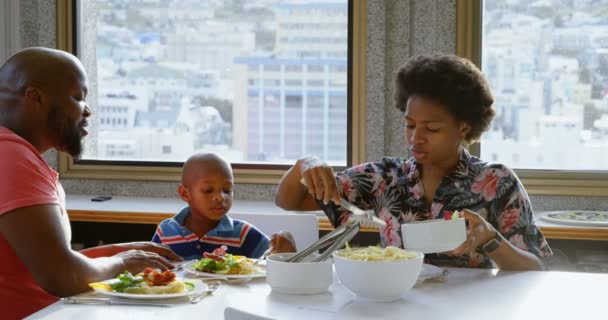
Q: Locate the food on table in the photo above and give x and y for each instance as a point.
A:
(453, 215)
(221, 262)
(580, 216)
(376, 254)
(148, 282)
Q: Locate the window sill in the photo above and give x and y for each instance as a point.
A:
(147, 210)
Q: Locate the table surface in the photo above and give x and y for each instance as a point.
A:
(463, 294)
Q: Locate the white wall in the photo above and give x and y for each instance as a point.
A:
(9, 28)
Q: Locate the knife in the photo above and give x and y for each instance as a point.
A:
(92, 300)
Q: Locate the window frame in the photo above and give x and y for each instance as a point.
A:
(243, 173)
(536, 182)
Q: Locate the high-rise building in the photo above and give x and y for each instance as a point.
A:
(293, 102)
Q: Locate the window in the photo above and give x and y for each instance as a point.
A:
(548, 70)
(547, 65)
(175, 78)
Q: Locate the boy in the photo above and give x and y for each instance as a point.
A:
(203, 225)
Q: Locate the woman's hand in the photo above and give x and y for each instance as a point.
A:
(282, 241)
(136, 261)
(506, 256)
(319, 179)
(479, 232)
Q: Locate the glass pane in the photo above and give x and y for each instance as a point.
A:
(261, 81)
(547, 63)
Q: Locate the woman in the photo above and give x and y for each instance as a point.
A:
(447, 104)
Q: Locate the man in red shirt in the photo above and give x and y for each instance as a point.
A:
(42, 106)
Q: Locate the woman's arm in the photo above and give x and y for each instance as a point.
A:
(506, 255)
(320, 182)
(511, 218)
(509, 257)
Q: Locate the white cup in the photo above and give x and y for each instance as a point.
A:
(433, 236)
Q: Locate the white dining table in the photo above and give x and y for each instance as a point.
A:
(462, 294)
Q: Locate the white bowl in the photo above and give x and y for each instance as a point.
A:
(298, 277)
(378, 280)
(433, 236)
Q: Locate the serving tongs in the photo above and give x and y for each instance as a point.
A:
(362, 213)
(332, 241)
(359, 213)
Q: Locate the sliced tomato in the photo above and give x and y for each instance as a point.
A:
(156, 278)
(221, 251)
(213, 257)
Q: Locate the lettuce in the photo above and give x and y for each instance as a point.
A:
(210, 265)
(126, 280)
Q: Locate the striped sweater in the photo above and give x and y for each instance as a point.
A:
(240, 237)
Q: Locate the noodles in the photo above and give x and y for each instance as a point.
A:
(376, 254)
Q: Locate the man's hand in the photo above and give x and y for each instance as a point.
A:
(157, 248)
(112, 249)
(136, 261)
(282, 241)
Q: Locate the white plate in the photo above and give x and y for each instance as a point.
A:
(429, 271)
(189, 267)
(560, 217)
(199, 287)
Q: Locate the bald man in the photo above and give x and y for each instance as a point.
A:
(42, 106)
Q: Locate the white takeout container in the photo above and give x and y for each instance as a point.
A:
(432, 236)
(298, 277)
(380, 281)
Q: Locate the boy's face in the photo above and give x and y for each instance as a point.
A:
(209, 196)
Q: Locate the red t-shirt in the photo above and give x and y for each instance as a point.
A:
(26, 180)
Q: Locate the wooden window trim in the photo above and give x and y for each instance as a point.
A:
(537, 182)
(242, 173)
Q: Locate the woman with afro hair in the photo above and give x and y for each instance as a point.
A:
(446, 105)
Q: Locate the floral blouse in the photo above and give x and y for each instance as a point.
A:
(393, 189)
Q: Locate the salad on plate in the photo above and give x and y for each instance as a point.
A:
(149, 282)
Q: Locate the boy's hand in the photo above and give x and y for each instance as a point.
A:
(282, 241)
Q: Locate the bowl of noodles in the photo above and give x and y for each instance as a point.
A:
(378, 274)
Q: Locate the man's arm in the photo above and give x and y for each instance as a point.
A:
(39, 239)
(112, 249)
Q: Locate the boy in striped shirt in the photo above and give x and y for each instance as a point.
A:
(203, 225)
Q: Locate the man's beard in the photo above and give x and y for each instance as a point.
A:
(68, 135)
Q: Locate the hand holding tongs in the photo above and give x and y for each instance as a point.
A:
(333, 240)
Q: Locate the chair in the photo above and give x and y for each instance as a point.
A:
(231, 313)
(303, 227)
